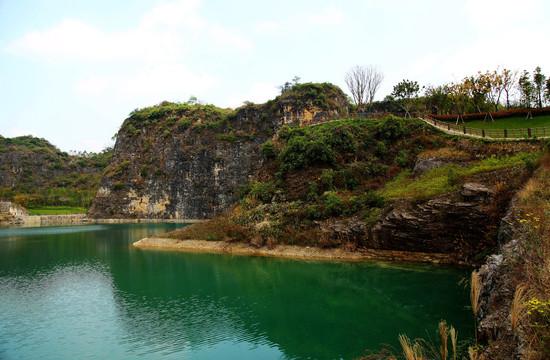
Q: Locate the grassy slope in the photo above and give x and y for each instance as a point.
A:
(534, 218)
(511, 123)
(55, 210)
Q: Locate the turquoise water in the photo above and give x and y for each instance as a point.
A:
(81, 292)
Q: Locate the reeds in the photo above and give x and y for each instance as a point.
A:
(444, 332)
(519, 310)
(475, 292)
(411, 351)
(454, 340)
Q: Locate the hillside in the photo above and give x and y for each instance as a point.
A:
(188, 160)
(390, 184)
(33, 172)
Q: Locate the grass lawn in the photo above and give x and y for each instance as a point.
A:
(510, 123)
(55, 210)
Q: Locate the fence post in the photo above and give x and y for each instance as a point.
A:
(448, 126)
(529, 132)
(464, 128)
(505, 133)
(482, 132)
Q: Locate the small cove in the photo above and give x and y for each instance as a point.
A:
(83, 292)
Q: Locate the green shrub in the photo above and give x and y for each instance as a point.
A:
(300, 152)
(391, 128)
(166, 133)
(327, 178)
(118, 186)
(402, 159)
(198, 127)
(263, 191)
(380, 148)
(230, 137)
(131, 130)
(268, 150)
(143, 171)
(184, 124)
(334, 205)
(172, 120)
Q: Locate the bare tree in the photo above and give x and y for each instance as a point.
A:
(363, 83)
(508, 81)
(496, 87)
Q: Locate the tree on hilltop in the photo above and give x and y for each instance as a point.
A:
(538, 81)
(407, 92)
(363, 83)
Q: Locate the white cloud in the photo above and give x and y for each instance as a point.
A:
(176, 14)
(229, 37)
(70, 39)
(258, 94)
(495, 14)
(162, 35)
(267, 26)
(166, 81)
(329, 16)
(487, 53)
(94, 86)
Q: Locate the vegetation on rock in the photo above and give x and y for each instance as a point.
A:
(313, 178)
(35, 173)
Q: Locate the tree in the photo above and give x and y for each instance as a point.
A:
(496, 87)
(478, 88)
(526, 89)
(289, 85)
(458, 94)
(547, 91)
(407, 92)
(363, 83)
(508, 82)
(438, 96)
(538, 80)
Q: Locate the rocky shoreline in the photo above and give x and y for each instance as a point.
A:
(291, 251)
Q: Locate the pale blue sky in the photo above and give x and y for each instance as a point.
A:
(72, 70)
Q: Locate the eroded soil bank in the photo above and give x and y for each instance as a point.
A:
(290, 251)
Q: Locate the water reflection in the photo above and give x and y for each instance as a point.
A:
(70, 293)
(305, 309)
(66, 311)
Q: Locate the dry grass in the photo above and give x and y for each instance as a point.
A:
(454, 340)
(534, 220)
(519, 309)
(411, 350)
(444, 332)
(421, 349)
(475, 292)
(444, 153)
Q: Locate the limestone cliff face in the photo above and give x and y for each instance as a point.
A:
(189, 161)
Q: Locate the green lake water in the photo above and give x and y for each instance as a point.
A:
(82, 292)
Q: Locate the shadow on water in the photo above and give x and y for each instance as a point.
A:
(159, 304)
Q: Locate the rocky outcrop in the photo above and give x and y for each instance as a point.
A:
(501, 274)
(442, 224)
(458, 223)
(190, 162)
(27, 161)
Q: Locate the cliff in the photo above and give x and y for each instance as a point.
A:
(35, 172)
(188, 160)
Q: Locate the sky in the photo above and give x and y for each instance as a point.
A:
(72, 70)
